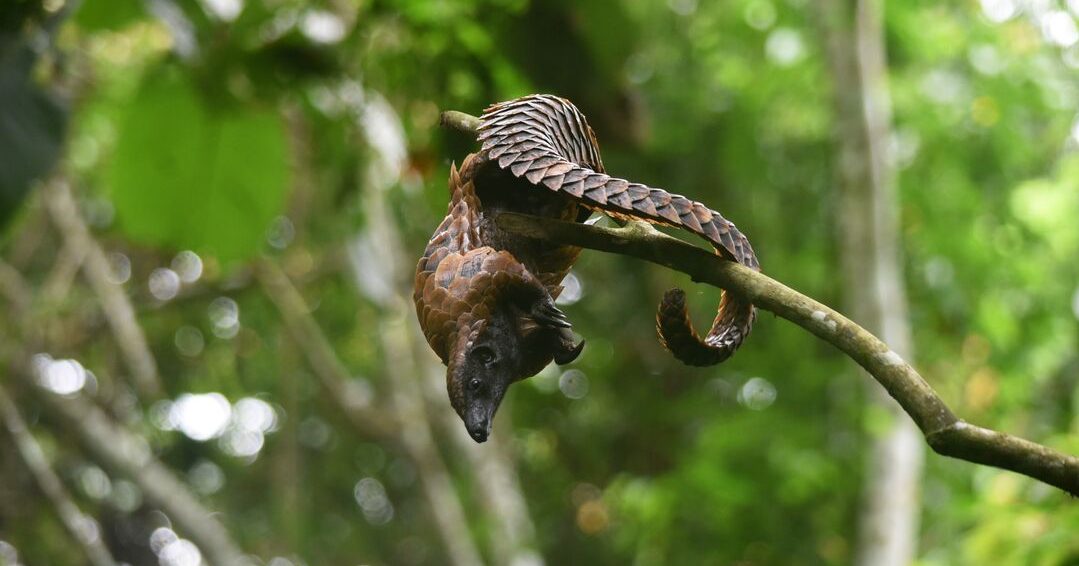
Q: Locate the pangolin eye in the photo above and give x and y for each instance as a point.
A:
(475, 384)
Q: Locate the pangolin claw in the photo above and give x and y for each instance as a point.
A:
(547, 314)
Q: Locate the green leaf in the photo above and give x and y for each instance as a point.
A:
(192, 177)
(98, 15)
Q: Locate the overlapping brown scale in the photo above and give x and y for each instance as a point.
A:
(677, 333)
(450, 277)
(547, 141)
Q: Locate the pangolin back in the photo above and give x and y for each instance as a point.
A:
(547, 141)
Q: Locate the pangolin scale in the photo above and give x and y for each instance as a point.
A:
(485, 298)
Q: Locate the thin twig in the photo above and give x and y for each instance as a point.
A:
(14, 287)
(320, 355)
(65, 269)
(415, 438)
(460, 121)
(418, 440)
(405, 351)
(127, 454)
(118, 310)
(73, 519)
(494, 473)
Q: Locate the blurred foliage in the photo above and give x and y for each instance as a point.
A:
(236, 129)
(219, 184)
(33, 122)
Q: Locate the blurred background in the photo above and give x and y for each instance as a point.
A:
(211, 212)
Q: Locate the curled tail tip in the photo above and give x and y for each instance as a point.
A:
(676, 333)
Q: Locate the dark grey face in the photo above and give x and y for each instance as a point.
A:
(490, 366)
(516, 343)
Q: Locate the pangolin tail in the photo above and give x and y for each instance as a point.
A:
(547, 141)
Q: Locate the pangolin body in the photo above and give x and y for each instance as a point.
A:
(485, 298)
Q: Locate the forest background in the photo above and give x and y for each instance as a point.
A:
(211, 212)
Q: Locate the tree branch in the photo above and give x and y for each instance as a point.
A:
(79, 242)
(946, 434)
(460, 121)
(406, 428)
(14, 287)
(73, 519)
(126, 454)
(321, 357)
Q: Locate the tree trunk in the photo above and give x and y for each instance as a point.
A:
(871, 266)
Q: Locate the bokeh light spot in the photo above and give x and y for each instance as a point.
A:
(757, 394)
(281, 233)
(785, 47)
(189, 341)
(180, 552)
(201, 416)
(164, 284)
(64, 377)
(682, 7)
(119, 268)
(572, 290)
(206, 477)
(225, 317)
(999, 10)
(254, 414)
(321, 26)
(224, 10)
(573, 384)
(188, 265)
(760, 14)
(592, 517)
(371, 497)
(94, 482)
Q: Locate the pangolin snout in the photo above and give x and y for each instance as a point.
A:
(480, 430)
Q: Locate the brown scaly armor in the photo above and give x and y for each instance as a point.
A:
(485, 298)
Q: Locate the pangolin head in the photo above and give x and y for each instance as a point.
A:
(506, 340)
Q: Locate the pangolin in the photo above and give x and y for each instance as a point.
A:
(485, 298)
